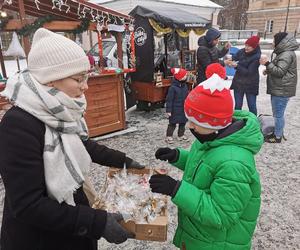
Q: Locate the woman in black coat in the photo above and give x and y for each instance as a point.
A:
(246, 78)
(45, 154)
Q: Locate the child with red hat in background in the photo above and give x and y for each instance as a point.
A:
(177, 93)
(246, 78)
(218, 198)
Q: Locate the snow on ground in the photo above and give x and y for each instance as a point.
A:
(278, 164)
(11, 66)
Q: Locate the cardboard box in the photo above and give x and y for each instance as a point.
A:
(154, 231)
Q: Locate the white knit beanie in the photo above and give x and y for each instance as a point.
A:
(54, 57)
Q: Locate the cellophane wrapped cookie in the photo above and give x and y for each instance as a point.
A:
(130, 195)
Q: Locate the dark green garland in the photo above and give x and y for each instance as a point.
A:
(31, 28)
(28, 29)
(84, 25)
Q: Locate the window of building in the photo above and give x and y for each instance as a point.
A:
(269, 26)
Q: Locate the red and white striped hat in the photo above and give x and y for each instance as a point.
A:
(210, 104)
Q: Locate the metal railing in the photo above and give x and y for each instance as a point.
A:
(237, 34)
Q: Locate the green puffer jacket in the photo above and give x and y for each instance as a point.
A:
(282, 71)
(219, 197)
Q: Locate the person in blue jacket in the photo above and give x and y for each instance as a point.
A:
(174, 104)
(246, 78)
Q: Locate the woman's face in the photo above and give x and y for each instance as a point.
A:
(248, 48)
(200, 130)
(73, 86)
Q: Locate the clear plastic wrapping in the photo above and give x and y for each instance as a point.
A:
(130, 195)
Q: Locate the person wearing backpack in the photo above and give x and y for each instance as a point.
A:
(219, 196)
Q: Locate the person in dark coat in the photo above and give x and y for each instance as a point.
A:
(45, 154)
(246, 78)
(177, 93)
(208, 52)
(281, 80)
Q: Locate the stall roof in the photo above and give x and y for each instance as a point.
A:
(199, 3)
(63, 10)
(171, 17)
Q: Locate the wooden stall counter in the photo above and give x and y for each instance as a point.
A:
(149, 92)
(105, 104)
(152, 93)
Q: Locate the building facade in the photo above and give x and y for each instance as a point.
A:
(272, 16)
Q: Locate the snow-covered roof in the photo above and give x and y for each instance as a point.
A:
(199, 3)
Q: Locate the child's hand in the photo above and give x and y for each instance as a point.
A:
(166, 154)
(164, 184)
(169, 114)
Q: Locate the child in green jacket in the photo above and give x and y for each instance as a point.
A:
(218, 197)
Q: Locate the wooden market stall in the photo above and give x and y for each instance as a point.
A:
(105, 109)
(162, 42)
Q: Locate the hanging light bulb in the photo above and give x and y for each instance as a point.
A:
(3, 14)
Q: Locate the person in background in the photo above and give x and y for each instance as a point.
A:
(177, 93)
(219, 196)
(281, 80)
(92, 61)
(246, 78)
(45, 154)
(208, 52)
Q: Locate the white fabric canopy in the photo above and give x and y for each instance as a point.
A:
(15, 48)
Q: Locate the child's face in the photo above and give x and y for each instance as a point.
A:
(200, 130)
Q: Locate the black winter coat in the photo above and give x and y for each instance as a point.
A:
(177, 93)
(207, 54)
(246, 78)
(31, 220)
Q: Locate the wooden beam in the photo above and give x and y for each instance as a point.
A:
(15, 24)
(23, 21)
(2, 63)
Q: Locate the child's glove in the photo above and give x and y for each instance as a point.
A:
(167, 154)
(164, 184)
(133, 164)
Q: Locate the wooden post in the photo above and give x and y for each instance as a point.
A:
(18, 64)
(24, 22)
(2, 63)
(119, 50)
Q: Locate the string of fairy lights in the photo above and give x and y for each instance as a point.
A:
(103, 18)
(86, 14)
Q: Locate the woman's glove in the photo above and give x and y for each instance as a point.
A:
(133, 164)
(167, 154)
(113, 231)
(164, 184)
